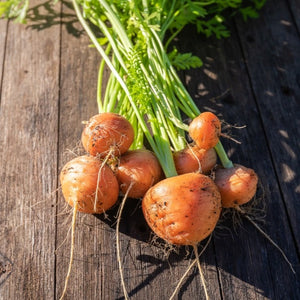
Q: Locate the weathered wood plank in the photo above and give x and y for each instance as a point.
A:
(294, 7)
(3, 31)
(273, 63)
(28, 156)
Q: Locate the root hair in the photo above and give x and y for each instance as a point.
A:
(71, 250)
(118, 241)
(99, 177)
(198, 160)
(196, 261)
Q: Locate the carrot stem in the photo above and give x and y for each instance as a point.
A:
(225, 161)
(100, 81)
(144, 77)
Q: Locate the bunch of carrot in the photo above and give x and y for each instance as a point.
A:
(181, 209)
(144, 99)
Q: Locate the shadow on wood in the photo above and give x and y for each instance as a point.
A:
(47, 14)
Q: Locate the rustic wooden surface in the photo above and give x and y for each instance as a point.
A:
(48, 80)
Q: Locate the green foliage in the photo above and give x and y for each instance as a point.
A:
(187, 13)
(132, 37)
(252, 11)
(248, 12)
(16, 9)
(184, 61)
(136, 81)
(160, 15)
(213, 26)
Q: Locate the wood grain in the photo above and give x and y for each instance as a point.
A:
(3, 35)
(28, 145)
(274, 75)
(294, 7)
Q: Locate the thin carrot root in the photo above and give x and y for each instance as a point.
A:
(267, 237)
(71, 250)
(189, 268)
(118, 241)
(230, 138)
(201, 272)
(99, 177)
(65, 239)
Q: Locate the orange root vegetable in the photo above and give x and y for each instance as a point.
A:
(90, 184)
(237, 185)
(139, 169)
(205, 130)
(107, 132)
(183, 210)
(194, 159)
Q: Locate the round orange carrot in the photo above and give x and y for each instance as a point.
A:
(183, 210)
(107, 132)
(194, 159)
(205, 130)
(89, 184)
(139, 169)
(237, 185)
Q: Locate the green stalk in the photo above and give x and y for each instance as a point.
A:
(169, 19)
(186, 99)
(114, 71)
(225, 161)
(116, 24)
(174, 77)
(168, 93)
(112, 42)
(100, 81)
(110, 98)
(161, 136)
(159, 142)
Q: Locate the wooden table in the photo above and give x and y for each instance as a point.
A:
(48, 78)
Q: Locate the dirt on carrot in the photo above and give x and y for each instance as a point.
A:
(107, 133)
(183, 210)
